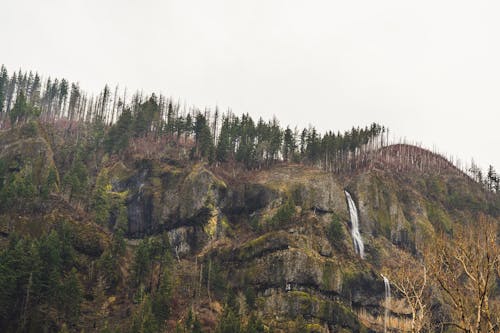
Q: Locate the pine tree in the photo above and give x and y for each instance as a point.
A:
(288, 144)
(10, 91)
(162, 298)
(22, 110)
(223, 143)
(71, 297)
(34, 96)
(4, 82)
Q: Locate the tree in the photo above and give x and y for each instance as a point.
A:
(76, 179)
(230, 322)
(492, 179)
(118, 136)
(4, 81)
(411, 281)
(288, 144)
(335, 231)
(224, 142)
(101, 201)
(465, 268)
(34, 93)
(143, 320)
(11, 88)
(70, 297)
(74, 99)
(163, 297)
(203, 138)
(254, 325)
(22, 110)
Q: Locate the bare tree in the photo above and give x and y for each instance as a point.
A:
(465, 268)
(411, 282)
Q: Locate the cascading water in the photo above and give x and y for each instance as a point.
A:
(387, 287)
(359, 247)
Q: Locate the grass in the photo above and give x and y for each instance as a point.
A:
(394, 324)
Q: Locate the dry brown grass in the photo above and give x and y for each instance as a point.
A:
(394, 323)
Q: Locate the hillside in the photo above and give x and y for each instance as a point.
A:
(148, 240)
(139, 215)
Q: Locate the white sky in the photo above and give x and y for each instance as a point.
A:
(430, 70)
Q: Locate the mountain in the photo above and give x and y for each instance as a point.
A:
(139, 215)
(159, 244)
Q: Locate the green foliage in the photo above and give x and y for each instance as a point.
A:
(254, 325)
(39, 287)
(51, 184)
(109, 263)
(230, 322)
(30, 129)
(250, 296)
(438, 218)
(335, 232)
(141, 265)
(18, 189)
(70, 297)
(148, 252)
(213, 275)
(101, 201)
(75, 181)
(223, 149)
(4, 80)
(145, 115)
(143, 320)
(191, 325)
(118, 135)
(283, 215)
(22, 110)
(163, 297)
(204, 140)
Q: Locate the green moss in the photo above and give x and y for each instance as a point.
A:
(267, 242)
(314, 328)
(329, 276)
(383, 219)
(438, 217)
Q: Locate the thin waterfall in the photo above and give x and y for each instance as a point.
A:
(387, 287)
(359, 247)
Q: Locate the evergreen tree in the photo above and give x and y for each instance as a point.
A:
(288, 144)
(4, 82)
(143, 320)
(34, 96)
(162, 298)
(10, 91)
(70, 297)
(230, 322)
(224, 143)
(74, 98)
(118, 135)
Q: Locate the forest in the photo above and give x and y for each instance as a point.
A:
(151, 122)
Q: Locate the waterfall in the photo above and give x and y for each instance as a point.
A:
(387, 287)
(359, 247)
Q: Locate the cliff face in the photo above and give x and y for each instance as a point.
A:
(265, 235)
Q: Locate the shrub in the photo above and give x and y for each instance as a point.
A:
(335, 232)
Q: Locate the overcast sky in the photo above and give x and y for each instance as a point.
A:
(430, 70)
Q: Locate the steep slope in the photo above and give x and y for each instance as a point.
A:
(273, 244)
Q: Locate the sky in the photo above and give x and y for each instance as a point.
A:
(429, 70)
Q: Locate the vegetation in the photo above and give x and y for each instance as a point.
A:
(39, 284)
(335, 231)
(69, 205)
